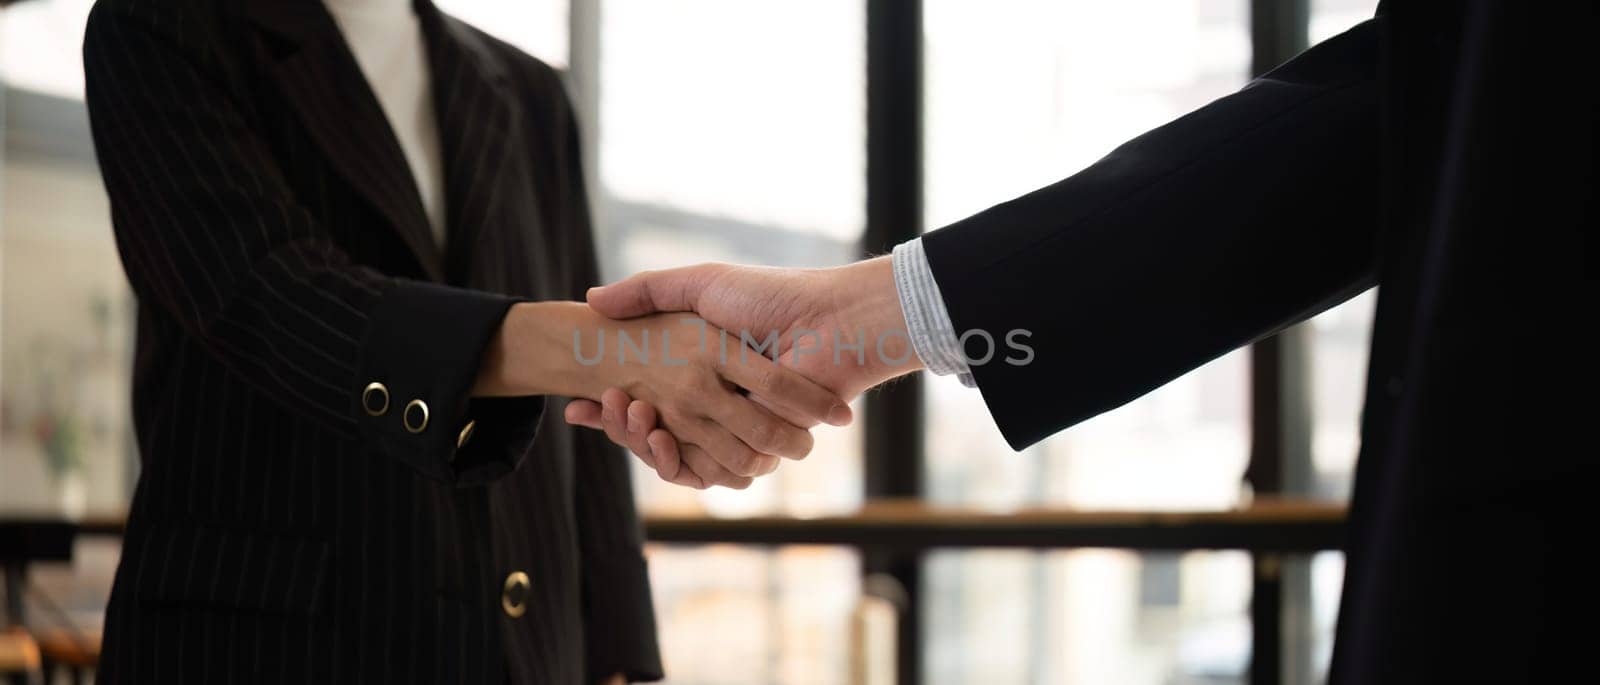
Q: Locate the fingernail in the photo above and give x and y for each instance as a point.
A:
(839, 415)
(591, 292)
(633, 424)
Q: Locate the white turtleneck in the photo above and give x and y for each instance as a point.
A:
(386, 39)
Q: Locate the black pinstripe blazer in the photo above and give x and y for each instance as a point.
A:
(285, 529)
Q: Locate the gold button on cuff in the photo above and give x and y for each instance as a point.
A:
(418, 425)
(465, 434)
(375, 390)
(517, 581)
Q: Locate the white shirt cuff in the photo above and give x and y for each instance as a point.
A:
(927, 320)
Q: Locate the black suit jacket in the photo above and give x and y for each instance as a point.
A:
(1439, 151)
(288, 526)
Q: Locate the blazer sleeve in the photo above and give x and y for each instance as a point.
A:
(1191, 240)
(211, 235)
(619, 614)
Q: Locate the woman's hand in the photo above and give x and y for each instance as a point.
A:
(632, 424)
(695, 380)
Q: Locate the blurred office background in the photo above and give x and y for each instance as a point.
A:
(725, 130)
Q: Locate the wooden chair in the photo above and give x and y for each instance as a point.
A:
(19, 656)
(76, 652)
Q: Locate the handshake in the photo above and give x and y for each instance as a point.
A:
(721, 370)
(710, 374)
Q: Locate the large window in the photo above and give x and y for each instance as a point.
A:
(66, 317)
(734, 131)
(40, 45)
(1019, 95)
(726, 134)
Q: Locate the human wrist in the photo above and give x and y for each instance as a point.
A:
(865, 299)
(534, 352)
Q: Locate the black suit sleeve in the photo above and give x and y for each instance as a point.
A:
(1221, 227)
(211, 235)
(619, 615)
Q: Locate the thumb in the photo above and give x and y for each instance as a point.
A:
(648, 292)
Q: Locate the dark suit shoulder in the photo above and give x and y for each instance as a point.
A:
(535, 81)
(193, 22)
(200, 31)
(513, 58)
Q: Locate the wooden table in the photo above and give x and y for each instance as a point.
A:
(1269, 525)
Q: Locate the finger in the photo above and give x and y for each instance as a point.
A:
(734, 454)
(664, 449)
(640, 421)
(584, 413)
(788, 393)
(613, 416)
(669, 461)
(622, 423)
(672, 467)
(758, 430)
(710, 471)
(589, 414)
(685, 477)
(647, 292)
(688, 479)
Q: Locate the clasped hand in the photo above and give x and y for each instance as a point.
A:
(729, 415)
(841, 328)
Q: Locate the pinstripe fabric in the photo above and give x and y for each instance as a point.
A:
(269, 225)
(933, 337)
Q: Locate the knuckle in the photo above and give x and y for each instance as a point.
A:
(743, 464)
(705, 378)
(767, 380)
(762, 435)
(787, 441)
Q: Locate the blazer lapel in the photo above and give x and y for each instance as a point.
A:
(478, 131)
(321, 81)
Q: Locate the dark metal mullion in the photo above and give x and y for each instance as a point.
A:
(894, 421)
(1278, 31)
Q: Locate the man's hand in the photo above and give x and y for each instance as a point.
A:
(841, 327)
